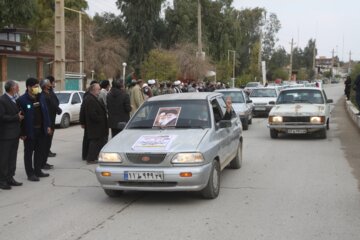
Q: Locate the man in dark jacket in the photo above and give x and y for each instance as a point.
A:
(10, 118)
(95, 123)
(52, 104)
(119, 108)
(34, 129)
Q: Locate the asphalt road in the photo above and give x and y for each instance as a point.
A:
(288, 188)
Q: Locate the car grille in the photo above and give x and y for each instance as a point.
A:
(260, 104)
(143, 158)
(148, 184)
(296, 119)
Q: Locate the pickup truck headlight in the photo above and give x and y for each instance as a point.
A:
(110, 158)
(275, 119)
(317, 120)
(188, 158)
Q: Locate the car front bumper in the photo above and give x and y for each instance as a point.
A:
(287, 127)
(172, 180)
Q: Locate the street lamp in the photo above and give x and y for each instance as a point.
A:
(233, 78)
(92, 75)
(124, 67)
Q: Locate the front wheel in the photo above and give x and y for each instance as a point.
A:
(65, 121)
(245, 124)
(322, 134)
(113, 193)
(212, 189)
(236, 163)
(273, 133)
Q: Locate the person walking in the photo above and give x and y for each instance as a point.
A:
(105, 87)
(34, 129)
(52, 103)
(10, 119)
(357, 91)
(95, 123)
(136, 96)
(119, 108)
(347, 87)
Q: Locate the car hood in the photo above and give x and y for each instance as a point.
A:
(166, 140)
(298, 110)
(239, 107)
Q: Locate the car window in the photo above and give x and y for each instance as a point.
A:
(81, 95)
(217, 109)
(63, 97)
(263, 93)
(300, 96)
(75, 99)
(236, 96)
(176, 114)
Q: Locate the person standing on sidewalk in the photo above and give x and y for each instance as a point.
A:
(52, 104)
(357, 90)
(10, 119)
(34, 129)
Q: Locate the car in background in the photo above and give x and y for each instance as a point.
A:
(300, 111)
(241, 103)
(174, 142)
(261, 98)
(70, 103)
(252, 85)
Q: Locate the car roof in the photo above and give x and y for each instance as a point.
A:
(300, 88)
(184, 96)
(68, 91)
(229, 90)
(269, 87)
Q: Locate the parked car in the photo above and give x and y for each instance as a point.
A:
(70, 103)
(174, 142)
(241, 103)
(251, 85)
(261, 98)
(300, 111)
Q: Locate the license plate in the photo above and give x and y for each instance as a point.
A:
(143, 176)
(260, 108)
(296, 131)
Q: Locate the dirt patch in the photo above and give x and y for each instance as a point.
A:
(349, 135)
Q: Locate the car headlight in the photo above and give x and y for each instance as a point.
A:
(317, 120)
(188, 158)
(275, 119)
(110, 157)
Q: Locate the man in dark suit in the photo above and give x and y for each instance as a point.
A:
(95, 123)
(118, 105)
(10, 118)
(52, 104)
(34, 129)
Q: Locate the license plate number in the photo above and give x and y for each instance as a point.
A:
(296, 131)
(260, 108)
(143, 176)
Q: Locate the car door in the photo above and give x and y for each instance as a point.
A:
(75, 105)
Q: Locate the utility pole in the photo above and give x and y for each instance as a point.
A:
(349, 70)
(59, 53)
(314, 60)
(332, 64)
(291, 58)
(200, 52)
(233, 78)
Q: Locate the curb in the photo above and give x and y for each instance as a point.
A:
(352, 111)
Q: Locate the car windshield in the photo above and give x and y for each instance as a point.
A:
(300, 96)
(236, 97)
(173, 114)
(252, 85)
(263, 93)
(63, 97)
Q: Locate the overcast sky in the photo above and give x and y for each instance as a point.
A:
(333, 23)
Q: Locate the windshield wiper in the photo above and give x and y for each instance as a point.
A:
(188, 126)
(139, 127)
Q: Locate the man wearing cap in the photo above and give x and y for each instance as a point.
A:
(10, 118)
(176, 88)
(154, 89)
(136, 95)
(34, 129)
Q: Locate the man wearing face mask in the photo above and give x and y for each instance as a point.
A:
(10, 118)
(34, 129)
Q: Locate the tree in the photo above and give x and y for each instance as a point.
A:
(160, 65)
(16, 12)
(139, 18)
(272, 27)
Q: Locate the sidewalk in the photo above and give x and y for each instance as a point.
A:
(352, 111)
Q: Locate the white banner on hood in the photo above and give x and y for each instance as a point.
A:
(153, 142)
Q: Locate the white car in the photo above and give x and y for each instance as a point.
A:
(70, 103)
(261, 98)
(300, 111)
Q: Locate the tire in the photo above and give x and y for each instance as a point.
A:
(113, 193)
(212, 189)
(245, 124)
(250, 121)
(236, 163)
(328, 124)
(322, 134)
(65, 121)
(273, 133)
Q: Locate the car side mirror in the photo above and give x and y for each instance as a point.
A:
(248, 101)
(329, 101)
(225, 124)
(121, 125)
(272, 102)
